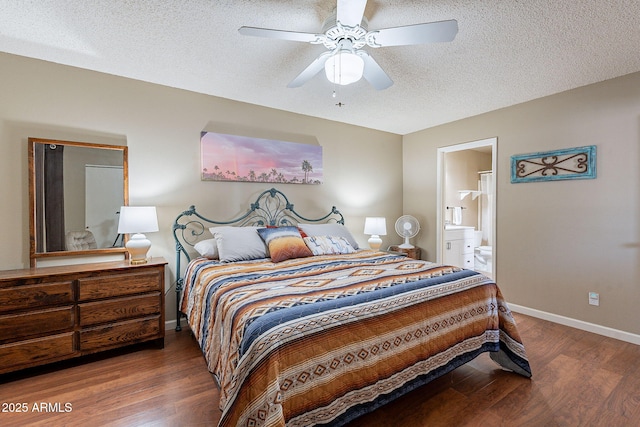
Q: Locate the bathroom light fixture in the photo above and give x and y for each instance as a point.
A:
(376, 227)
(136, 220)
(344, 67)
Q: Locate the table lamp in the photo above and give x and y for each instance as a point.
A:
(136, 220)
(376, 227)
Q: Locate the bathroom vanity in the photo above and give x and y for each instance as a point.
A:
(458, 246)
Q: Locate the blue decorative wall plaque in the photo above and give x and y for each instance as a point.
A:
(570, 163)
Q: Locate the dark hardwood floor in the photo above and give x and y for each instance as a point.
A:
(579, 379)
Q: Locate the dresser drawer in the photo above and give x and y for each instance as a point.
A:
(93, 313)
(36, 351)
(113, 285)
(32, 296)
(467, 246)
(118, 334)
(468, 261)
(15, 327)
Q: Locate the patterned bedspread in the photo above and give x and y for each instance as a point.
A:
(325, 339)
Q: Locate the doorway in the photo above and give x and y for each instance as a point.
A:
(466, 205)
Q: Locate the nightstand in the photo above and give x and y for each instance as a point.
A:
(410, 252)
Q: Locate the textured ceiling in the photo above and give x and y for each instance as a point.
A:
(506, 51)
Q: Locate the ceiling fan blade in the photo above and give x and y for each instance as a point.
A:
(430, 32)
(373, 73)
(350, 12)
(309, 72)
(278, 34)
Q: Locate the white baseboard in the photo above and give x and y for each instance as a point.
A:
(578, 324)
(170, 325)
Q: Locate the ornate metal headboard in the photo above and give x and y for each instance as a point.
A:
(271, 208)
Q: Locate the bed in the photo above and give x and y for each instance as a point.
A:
(323, 336)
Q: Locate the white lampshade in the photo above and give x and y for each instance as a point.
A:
(343, 68)
(136, 220)
(376, 227)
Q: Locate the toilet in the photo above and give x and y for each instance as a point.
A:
(482, 254)
(486, 252)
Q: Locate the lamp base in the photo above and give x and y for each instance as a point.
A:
(375, 242)
(138, 245)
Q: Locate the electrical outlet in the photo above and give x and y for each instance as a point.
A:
(594, 298)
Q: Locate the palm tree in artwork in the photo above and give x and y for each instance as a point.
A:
(306, 167)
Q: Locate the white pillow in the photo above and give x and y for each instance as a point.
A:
(333, 229)
(207, 248)
(239, 243)
(329, 245)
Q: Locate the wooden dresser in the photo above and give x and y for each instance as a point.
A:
(54, 313)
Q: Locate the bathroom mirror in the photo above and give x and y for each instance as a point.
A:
(76, 190)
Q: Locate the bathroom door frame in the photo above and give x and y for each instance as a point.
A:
(474, 145)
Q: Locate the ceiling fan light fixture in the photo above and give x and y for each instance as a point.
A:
(345, 67)
(345, 33)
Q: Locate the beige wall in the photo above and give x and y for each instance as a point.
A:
(556, 240)
(161, 126)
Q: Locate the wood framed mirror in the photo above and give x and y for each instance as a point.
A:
(76, 190)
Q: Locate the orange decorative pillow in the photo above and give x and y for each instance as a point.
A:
(284, 243)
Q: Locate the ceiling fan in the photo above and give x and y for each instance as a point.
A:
(345, 33)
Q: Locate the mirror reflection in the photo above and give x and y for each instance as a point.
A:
(76, 193)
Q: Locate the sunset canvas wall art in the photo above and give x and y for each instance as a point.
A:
(246, 159)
